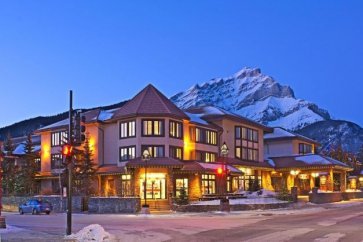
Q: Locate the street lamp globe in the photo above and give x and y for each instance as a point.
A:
(146, 155)
(224, 149)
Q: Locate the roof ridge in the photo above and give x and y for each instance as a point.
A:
(161, 100)
(143, 94)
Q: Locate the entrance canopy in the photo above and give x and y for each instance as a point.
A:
(203, 167)
(310, 161)
(157, 162)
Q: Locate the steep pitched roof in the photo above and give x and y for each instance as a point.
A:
(281, 134)
(150, 102)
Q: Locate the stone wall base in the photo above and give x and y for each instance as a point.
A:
(330, 197)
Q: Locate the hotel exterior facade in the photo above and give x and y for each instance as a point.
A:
(185, 150)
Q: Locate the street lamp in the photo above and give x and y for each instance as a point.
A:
(145, 157)
(224, 153)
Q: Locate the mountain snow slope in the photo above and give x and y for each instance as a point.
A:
(334, 133)
(256, 96)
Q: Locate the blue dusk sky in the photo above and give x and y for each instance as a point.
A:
(106, 51)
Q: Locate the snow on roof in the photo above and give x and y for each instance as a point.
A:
(271, 162)
(196, 118)
(20, 149)
(106, 114)
(55, 125)
(315, 159)
(216, 166)
(279, 133)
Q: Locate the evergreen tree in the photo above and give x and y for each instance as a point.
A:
(183, 197)
(25, 182)
(8, 167)
(84, 170)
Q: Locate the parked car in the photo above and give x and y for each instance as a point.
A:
(35, 206)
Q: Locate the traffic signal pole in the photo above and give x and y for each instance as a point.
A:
(69, 167)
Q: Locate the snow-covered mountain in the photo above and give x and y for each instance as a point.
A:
(256, 96)
(334, 133)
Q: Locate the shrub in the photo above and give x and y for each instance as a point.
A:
(284, 195)
(182, 199)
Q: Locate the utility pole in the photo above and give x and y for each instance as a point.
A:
(69, 167)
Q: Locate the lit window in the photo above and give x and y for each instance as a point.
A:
(153, 128)
(176, 152)
(154, 150)
(127, 129)
(208, 184)
(250, 139)
(59, 138)
(127, 153)
(175, 129)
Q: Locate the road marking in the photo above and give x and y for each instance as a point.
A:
(333, 221)
(333, 237)
(281, 236)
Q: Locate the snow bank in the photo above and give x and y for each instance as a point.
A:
(261, 200)
(258, 194)
(93, 232)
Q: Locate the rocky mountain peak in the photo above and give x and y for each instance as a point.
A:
(255, 95)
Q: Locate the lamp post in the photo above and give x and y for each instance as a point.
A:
(145, 157)
(294, 173)
(224, 153)
(315, 175)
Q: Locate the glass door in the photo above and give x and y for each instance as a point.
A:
(155, 187)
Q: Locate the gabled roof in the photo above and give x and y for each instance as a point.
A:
(150, 102)
(282, 134)
(210, 113)
(306, 161)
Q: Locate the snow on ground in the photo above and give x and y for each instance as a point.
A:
(10, 229)
(93, 232)
(260, 193)
(262, 200)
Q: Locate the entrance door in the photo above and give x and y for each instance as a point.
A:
(155, 187)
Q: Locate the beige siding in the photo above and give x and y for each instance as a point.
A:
(278, 148)
(45, 151)
(110, 143)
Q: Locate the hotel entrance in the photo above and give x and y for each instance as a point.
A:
(155, 187)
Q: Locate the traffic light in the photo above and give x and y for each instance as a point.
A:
(79, 129)
(67, 150)
(220, 171)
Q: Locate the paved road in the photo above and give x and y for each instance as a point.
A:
(338, 222)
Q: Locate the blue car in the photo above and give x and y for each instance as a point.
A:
(35, 206)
